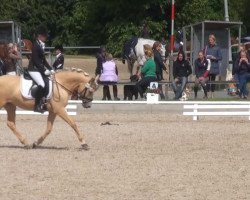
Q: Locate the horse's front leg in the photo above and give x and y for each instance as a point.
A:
(64, 115)
(130, 66)
(50, 122)
(11, 123)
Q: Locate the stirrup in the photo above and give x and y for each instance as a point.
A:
(39, 109)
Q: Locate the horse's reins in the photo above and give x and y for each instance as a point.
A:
(81, 95)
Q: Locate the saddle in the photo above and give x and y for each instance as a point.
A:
(28, 87)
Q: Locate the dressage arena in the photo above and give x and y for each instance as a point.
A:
(146, 155)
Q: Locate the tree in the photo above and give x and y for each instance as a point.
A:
(112, 22)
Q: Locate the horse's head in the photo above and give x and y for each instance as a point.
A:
(86, 92)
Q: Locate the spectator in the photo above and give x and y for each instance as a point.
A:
(100, 58)
(181, 70)
(213, 52)
(242, 68)
(237, 57)
(148, 72)
(109, 76)
(202, 67)
(59, 61)
(3, 56)
(17, 52)
(10, 61)
(160, 66)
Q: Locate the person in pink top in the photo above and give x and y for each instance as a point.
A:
(109, 76)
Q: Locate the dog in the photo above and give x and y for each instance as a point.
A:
(131, 90)
(185, 93)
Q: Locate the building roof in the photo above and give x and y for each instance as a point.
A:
(215, 24)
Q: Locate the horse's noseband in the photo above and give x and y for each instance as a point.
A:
(82, 94)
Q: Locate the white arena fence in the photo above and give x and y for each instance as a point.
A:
(223, 108)
(70, 108)
(190, 108)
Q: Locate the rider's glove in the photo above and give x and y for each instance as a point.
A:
(47, 72)
(52, 72)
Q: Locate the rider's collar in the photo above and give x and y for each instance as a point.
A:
(42, 44)
(57, 56)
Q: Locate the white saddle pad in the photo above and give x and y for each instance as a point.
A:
(26, 86)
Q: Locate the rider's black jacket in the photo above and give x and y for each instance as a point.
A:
(38, 61)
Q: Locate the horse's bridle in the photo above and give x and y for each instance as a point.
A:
(81, 95)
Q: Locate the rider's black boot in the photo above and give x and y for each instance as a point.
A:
(39, 100)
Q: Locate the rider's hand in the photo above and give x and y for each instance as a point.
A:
(47, 72)
(52, 72)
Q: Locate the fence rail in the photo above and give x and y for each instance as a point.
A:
(70, 108)
(170, 82)
(217, 109)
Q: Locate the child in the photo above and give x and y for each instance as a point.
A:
(59, 61)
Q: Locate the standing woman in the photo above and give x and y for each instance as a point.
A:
(148, 72)
(202, 67)
(213, 52)
(160, 66)
(39, 69)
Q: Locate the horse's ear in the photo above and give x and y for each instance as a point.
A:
(93, 84)
(92, 80)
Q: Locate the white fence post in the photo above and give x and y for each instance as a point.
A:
(195, 117)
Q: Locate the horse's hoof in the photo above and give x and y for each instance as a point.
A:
(34, 145)
(85, 147)
(28, 146)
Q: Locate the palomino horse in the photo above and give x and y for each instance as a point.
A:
(134, 51)
(65, 84)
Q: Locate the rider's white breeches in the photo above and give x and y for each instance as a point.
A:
(37, 77)
(11, 73)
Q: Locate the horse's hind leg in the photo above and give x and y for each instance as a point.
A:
(50, 122)
(11, 118)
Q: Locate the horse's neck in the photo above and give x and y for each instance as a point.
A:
(141, 42)
(71, 80)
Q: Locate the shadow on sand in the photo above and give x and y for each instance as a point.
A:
(36, 148)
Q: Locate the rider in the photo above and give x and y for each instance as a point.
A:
(39, 69)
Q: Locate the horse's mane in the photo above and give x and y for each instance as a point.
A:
(78, 70)
(74, 70)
